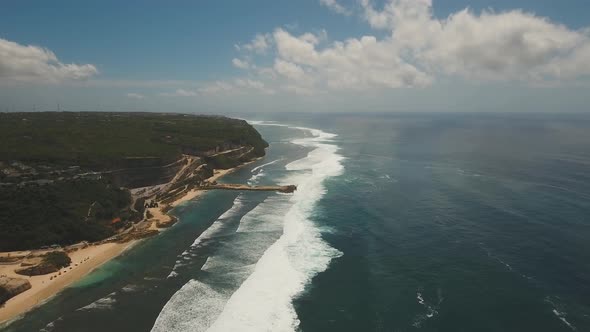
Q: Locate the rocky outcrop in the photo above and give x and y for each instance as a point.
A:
(37, 270)
(166, 223)
(49, 263)
(11, 287)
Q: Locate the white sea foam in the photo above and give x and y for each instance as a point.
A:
(431, 309)
(218, 224)
(257, 168)
(178, 314)
(420, 298)
(289, 264)
(284, 269)
(187, 255)
(215, 228)
(207, 263)
(258, 229)
(267, 216)
(267, 123)
(559, 311)
(104, 303)
(130, 288)
(561, 316)
(50, 326)
(256, 177)
(258, 172)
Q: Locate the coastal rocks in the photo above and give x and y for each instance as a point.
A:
(288, 189)
(7, 260)
(48, 263)
(11, 287)
(166, 223)
(37, 270)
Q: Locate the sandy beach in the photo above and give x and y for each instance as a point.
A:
(43, 287)
(84, 261)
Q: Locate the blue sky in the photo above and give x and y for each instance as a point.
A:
(199, 56)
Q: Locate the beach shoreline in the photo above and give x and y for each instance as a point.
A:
(44, 287)
(84, 261)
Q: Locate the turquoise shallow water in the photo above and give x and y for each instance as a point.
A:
(432, 222)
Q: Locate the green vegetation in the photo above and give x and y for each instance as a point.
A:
(50, 191)
(105, 140)
(58, 259)
(36, 216)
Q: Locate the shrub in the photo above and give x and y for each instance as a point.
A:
(58, 259)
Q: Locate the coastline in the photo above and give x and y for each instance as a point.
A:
(43, 287)
(84, 261)
(217, 174)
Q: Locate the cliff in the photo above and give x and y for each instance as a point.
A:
(11, 287)
(65, 177)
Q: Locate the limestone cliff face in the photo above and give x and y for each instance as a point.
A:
(11, 287)
(144, 172)
(231, 158)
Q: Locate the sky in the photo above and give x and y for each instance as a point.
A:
(295, 55)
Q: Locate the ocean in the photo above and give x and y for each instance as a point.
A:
(401, 222)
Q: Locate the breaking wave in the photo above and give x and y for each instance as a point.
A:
(285, 265)
(104, 303)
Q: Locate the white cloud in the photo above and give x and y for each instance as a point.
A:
(242, 64)
(511, 45)
(35, 64)
(289, 69)
(179, 93)
(215, 88)
(133, 84)
(352, 64)
(260, 44)
(236, 86)
(418, 49)
(335, 6)
(134, 95)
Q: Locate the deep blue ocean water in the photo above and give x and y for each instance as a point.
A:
(404, 222)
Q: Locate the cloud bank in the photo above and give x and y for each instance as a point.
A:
(335, 6)
(20, 63)
(418, 49)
